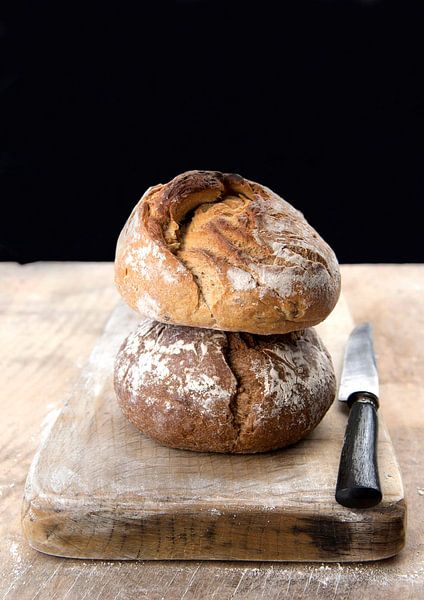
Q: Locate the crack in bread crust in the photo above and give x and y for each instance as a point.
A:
(197, 280)
(228, 355)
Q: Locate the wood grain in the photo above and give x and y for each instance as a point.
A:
(50, 317)
(97, 488)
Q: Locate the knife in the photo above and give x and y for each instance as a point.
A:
(358, 484)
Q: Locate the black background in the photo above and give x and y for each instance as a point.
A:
(321, 101)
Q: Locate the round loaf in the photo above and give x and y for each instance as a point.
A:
(215, 250)
(216, 391)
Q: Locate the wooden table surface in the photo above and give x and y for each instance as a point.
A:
(50, 317)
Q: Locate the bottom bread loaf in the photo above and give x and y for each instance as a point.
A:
(215, 391)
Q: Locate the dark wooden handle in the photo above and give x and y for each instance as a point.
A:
(358, 484)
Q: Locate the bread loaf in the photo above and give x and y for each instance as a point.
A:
(214, 250)
(216, 391)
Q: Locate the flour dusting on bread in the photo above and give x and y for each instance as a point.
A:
(241, 280)
(223, 391)
(207, 246)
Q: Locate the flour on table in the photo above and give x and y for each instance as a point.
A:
(5, 487)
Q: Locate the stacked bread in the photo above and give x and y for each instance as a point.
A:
(229, 279)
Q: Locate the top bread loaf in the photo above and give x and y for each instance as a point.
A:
(211, 249)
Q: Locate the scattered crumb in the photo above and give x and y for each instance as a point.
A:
(14, 551)
(6, 486)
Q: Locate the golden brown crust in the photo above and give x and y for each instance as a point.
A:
(215, 391)
(211, 249)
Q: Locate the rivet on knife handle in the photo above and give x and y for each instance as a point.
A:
(358, 484)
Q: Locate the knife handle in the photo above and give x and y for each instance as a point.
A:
(358, 484)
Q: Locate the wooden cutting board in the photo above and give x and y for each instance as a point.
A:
(98, 488)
